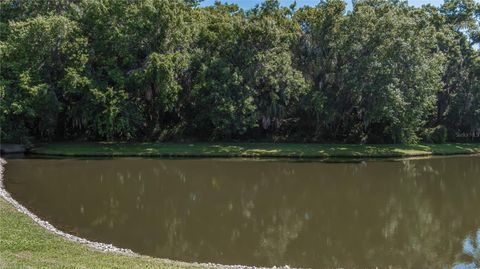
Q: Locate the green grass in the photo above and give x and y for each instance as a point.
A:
(23, 244)
(253, 150)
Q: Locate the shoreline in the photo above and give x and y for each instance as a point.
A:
(252, 150)
(5, 195)
(108, 251)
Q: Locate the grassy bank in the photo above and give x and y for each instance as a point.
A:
(23, 244)
(252, 150)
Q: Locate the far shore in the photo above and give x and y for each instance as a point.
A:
(252, 150)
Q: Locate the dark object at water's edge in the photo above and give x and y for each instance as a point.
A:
(12, 149)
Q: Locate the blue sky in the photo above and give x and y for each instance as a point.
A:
(246, 4)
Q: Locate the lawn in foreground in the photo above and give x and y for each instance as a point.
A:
(23, 244)
(253, 150)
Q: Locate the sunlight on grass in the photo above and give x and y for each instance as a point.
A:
(262, 151)
(254, 150)
(222, 148)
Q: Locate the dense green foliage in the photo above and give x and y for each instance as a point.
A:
(152, 70)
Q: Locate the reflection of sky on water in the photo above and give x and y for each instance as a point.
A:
(471, 248)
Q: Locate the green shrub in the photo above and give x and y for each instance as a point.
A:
(439, 134)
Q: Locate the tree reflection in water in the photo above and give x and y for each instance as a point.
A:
(407, 214)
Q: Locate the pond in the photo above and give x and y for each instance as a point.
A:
(422, 213)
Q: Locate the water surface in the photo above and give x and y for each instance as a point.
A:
(406, 214)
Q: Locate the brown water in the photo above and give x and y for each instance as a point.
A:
(406, 214)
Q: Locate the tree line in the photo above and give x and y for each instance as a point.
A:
(158, 70)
